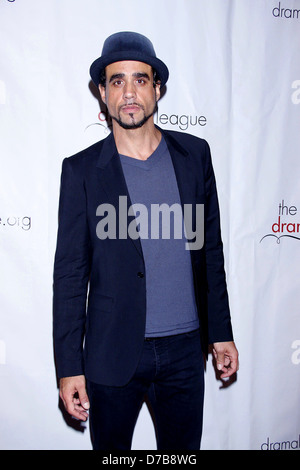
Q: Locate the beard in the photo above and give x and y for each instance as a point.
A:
(133, 124)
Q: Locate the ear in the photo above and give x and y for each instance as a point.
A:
(102, 93)
(157, 91)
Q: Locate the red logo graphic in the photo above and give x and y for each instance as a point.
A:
(284, 227)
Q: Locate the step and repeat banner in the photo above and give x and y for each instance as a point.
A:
(234, 81)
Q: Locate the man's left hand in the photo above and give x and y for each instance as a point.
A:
(226, 356)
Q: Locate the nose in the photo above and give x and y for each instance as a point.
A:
(129, 90)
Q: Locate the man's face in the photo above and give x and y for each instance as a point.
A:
(129, 93)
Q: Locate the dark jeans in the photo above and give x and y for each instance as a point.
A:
(171, 374)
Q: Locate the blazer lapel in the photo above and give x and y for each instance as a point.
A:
(184, 171)
(113, 182)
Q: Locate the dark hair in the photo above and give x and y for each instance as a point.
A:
(156, 78)
(102, 78)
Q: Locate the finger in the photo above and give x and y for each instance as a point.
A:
(73, 406)
(83, 398)
(227, 361)
(230, 369)
(227, 372)
(80, 413)
(77, 411)
(220, 358)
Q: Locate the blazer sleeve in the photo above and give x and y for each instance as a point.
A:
(71, 272)
(219, 321)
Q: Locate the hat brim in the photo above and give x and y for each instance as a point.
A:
(99, 64)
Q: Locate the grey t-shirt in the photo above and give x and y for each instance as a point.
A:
(171, 307)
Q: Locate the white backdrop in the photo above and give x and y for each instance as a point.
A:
(235, 81)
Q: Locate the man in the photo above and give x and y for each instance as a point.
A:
(133, 309)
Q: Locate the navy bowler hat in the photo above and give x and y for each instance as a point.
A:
(128, 46)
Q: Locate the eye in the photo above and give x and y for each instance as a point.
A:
(118, 83)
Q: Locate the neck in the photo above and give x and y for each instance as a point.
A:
(137, 143)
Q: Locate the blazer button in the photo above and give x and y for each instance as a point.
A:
(140, 274)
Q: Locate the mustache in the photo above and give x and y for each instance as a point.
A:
(131, 103)
(134, 125)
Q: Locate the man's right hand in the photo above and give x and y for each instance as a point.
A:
(72, 391)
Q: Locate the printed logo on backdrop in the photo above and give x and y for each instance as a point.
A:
(104, 121)
(290, 13)
(181, 122)
(281, 445)
(286, 225)
(16, 222)
(296, 94)
(296, 353)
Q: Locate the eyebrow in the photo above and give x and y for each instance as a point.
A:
(122, 75)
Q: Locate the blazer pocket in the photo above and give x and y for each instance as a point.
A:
(100, 302)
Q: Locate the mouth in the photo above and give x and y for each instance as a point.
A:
(130, 108)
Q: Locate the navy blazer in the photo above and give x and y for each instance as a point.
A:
(99, 286)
